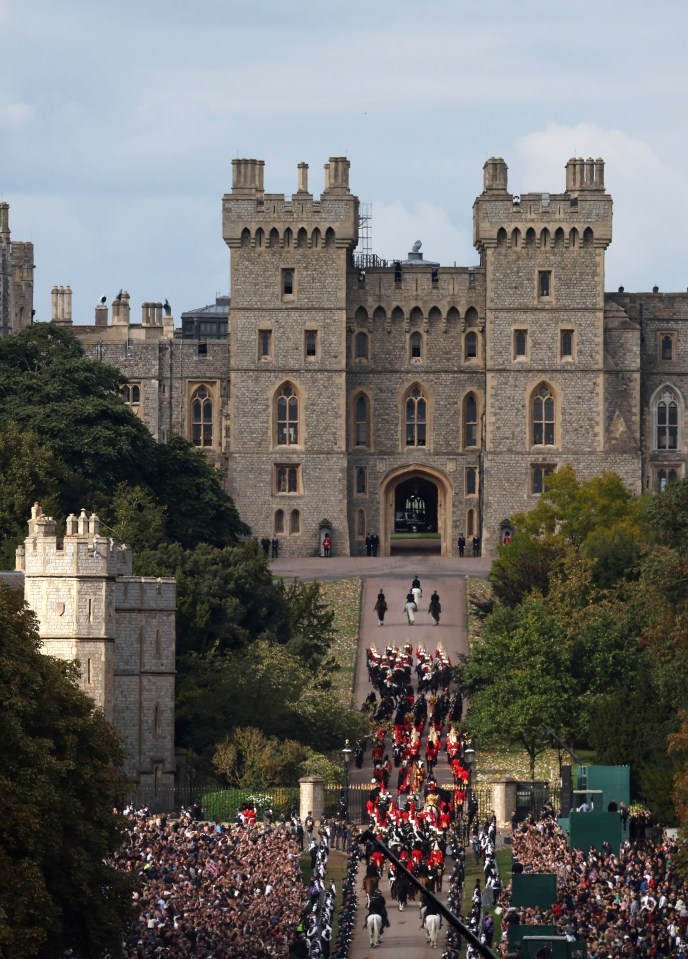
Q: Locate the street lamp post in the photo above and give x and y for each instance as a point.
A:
(346, 758)
(469, 762)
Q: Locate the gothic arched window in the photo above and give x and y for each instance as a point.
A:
(287, 418)
(416, 417)
(361, 420)
(543, 416)
(471, 345)
(361, 346)
(667, 421)
(470, 420)
(202, 417)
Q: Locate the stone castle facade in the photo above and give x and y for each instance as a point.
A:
(339, 391)
(121, 629)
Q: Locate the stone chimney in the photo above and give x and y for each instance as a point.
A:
(584, 175)
(337, 175)
(62, 305)
(495, 173)
(101, 314)
(247, 177)
(120, 309)
(303, 178)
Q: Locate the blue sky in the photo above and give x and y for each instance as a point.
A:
(119, 121)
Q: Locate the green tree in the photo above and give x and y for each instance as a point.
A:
(136, 518)
(517, 679)
(598, 518)
(47, 386)
(58, 785)
(310, 622)
(198, 509)
(226, 598)
(72, 405)
(262, 686)
(250, 758)
(29, 471)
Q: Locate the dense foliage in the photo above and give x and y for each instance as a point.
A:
(58, 786)
(68, 440)
(250, 652)
(600, 578)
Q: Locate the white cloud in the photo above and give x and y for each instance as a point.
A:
(397, 227)
(14, 114)
(650, 198)
(543, 154)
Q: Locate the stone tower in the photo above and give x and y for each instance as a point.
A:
(16, 279)
(545, 396)
(287, 332)
(5, 271)
(121, 630)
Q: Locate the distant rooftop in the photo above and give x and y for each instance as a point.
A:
(207, 322)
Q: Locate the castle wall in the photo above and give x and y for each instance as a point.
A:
(605, 387)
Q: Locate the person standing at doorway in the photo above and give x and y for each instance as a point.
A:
(462, 545)
(375, 540)
(327, 546)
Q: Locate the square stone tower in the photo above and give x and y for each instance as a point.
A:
(545, 401)
(287, 331)
(121, 630)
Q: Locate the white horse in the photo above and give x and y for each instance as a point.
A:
(432, 927)
(417, 594)
(374, 924)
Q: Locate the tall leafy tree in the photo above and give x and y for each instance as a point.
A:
(29, 470)
(83, 443)
(598, 518)
(58, 785)
(518, 679)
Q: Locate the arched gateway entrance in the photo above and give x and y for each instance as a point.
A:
(416, 500)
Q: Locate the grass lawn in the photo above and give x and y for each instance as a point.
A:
(344, 598)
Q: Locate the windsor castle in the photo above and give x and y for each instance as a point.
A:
(339, 392)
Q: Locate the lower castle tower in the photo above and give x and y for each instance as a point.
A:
(119, 627)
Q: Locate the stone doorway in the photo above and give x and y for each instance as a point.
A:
(416, 512)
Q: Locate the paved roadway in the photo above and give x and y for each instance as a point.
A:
(404, 940)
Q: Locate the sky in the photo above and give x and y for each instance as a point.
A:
(119, 122)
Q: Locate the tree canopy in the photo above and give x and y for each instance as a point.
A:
(58, 785)
(68, 438)
(600, 578)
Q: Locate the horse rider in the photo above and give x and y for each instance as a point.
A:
(377, 907)
(431, 919)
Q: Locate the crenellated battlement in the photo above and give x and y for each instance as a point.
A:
(581, 216)
(82, 551)
(250, 215)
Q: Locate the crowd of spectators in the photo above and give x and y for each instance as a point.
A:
(212, 890)
(630, 906)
